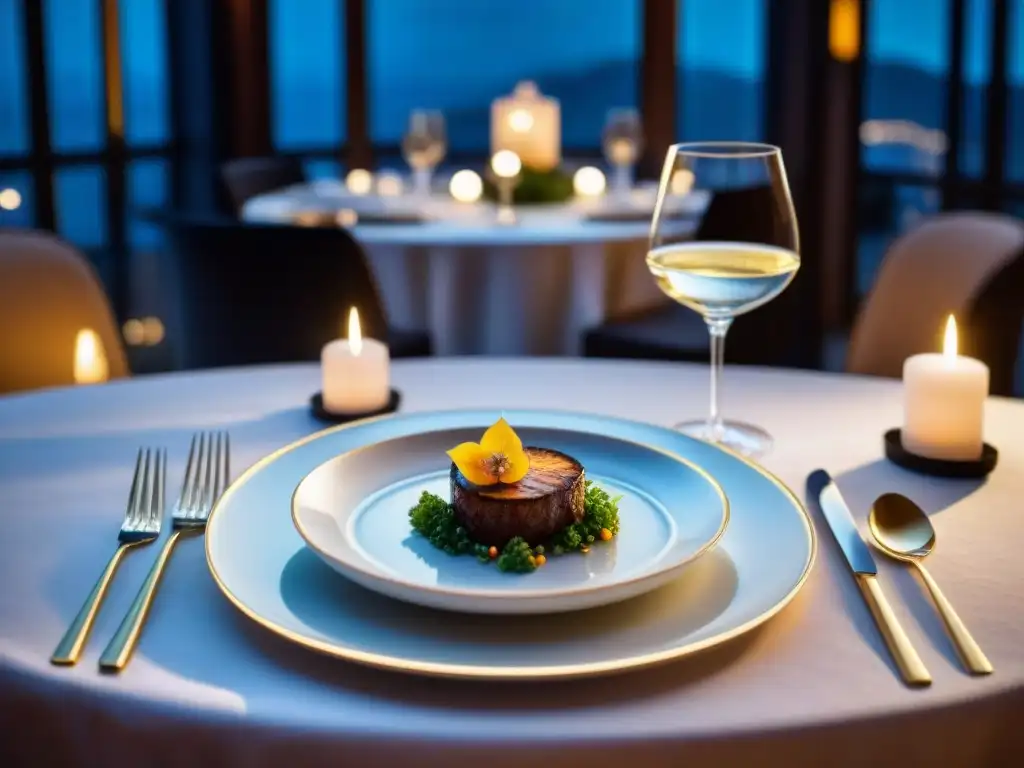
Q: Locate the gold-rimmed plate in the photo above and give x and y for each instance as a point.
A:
(264, 568)
(352, 511)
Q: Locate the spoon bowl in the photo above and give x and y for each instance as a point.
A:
(903, 531)
(900, 527)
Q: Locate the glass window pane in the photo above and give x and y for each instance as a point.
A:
(80, 194)
(459, 55)
(14, 127)
(722, 50)
(977, 72)
(307, 73)
(322, 169)
(147, 189)
(144, 64)
(74, 61)
(1015, 79)
(904, 87)
(16, 202)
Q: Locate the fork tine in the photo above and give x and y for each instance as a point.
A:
(148, 488)
(195, 497)
(133, 497)
(186, 485)
(222, 465)
(163, 485)
(156, 509)
(208, 479)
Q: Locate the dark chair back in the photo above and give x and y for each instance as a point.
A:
(256, 294)
(250, 176)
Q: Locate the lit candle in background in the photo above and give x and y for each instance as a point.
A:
(359, 181)
(466, 186)
(528, 124)
(90, 366)
(355, 372)
(944, 403)
(588, 181)
(506, 164)
(389, 184)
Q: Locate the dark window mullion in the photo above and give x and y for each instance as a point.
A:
(659, 81)
(41, 151)
(360, 152)
(954, 105)
(113, 90)
(995, 138)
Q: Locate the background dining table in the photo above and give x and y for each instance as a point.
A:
(478, 286)
(813, 686)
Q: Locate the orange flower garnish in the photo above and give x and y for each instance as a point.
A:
(498, 457)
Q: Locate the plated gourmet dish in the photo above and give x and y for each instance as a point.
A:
(515, 505)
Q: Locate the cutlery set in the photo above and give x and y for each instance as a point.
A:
(206, 476)
(901, 530)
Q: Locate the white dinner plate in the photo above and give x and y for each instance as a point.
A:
(265, 569)
(353, 511)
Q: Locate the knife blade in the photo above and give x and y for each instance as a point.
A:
(822, 488)
(840, 521)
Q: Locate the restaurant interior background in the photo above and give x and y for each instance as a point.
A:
(887, 111)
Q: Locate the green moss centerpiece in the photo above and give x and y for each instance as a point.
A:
(536, 187)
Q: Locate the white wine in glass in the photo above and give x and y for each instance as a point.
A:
(742, 254)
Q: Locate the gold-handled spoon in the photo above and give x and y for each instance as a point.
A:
(902, 530)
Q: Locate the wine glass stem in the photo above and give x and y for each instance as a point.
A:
(717, 328)
(622, 179)
(421, 181)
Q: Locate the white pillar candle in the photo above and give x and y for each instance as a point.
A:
(528, 124)
(944, 402)
(355, 372)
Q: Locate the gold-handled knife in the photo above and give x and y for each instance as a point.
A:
(822, 488)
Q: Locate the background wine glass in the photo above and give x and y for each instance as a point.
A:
(621, 141)
(423, 147)
(743, 253)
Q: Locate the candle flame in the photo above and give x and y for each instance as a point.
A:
(355, 333)
(949, 343)
(90, 359)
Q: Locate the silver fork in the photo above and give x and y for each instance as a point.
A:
(206, 476)
(141, 525)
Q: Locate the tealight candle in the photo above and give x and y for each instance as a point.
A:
(90, 364)
(466, 186)
(944, 403)
(506, 164)
(359, 181)
(588, 181)
(355, 372)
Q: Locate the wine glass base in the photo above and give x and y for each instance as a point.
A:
(746, 439)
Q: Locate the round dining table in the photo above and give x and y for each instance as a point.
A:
(479, 286)
(812, 686)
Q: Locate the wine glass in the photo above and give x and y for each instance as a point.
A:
(423, 147)
(743, 253)
(621, 141)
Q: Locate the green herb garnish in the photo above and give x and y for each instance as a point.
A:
(600, 513)
(434, 519)
(517, 557)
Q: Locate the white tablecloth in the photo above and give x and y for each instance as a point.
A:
(481, 287)
(812, 687)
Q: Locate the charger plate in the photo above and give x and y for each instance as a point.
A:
(262, 565)
(353, 511)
